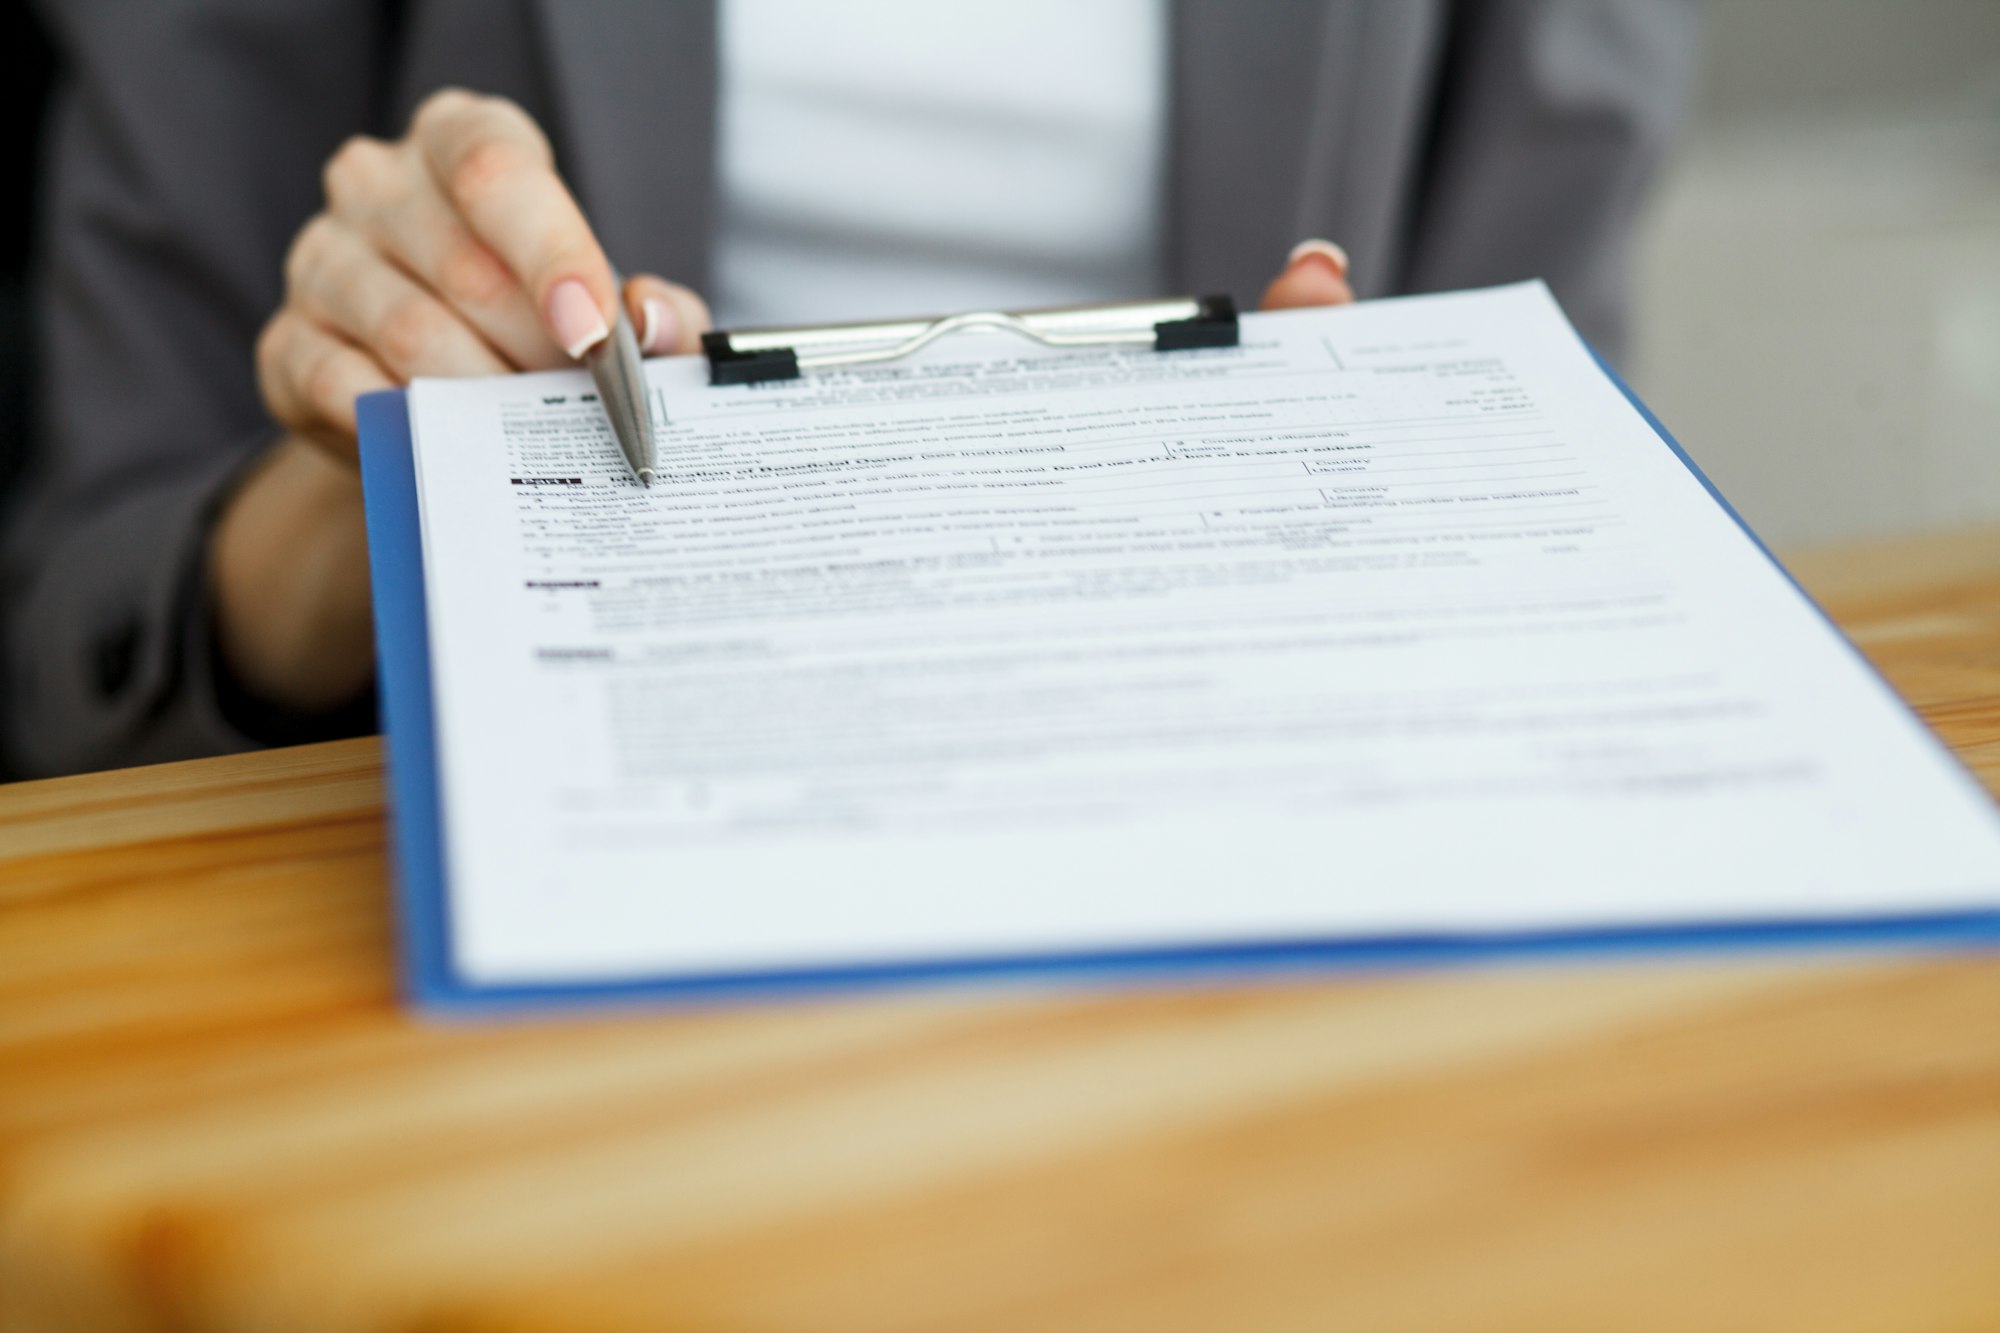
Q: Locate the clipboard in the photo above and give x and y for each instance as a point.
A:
(433, 984)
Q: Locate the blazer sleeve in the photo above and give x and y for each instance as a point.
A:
(1551, 118)
(185, 153)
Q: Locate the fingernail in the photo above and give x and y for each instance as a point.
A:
(663, 327)
(578, 323)
(1325, 249)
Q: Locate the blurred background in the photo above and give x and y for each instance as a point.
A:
(24, 86)
(1818, 277)
(1818, 286)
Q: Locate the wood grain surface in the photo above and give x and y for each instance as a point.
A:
(214, 1115)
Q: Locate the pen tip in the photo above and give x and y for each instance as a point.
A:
(646, 476)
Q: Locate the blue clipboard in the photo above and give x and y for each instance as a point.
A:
(434, 984)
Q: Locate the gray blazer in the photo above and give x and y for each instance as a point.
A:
(1445, 143)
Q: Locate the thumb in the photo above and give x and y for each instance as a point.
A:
(1315, 274)
(670, 318)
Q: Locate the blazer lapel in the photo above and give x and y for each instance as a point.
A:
(634, 88)
(1239, 92)
(1307, 121)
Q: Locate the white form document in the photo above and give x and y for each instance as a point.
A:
(1397, 618)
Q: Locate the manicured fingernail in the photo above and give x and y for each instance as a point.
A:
(578, 323)
(663, 327)
(1327, 250)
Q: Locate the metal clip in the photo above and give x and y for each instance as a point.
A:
(751, 356)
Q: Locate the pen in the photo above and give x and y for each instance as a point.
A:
(621, 387)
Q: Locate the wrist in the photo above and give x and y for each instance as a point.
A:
(288, 580)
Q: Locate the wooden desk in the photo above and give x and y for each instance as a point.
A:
(213, 1114)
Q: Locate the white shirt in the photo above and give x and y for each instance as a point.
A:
(914, 157)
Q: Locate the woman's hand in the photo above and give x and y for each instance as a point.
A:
(1315, 274)
(455, 250)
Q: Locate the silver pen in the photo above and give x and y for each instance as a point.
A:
(621, 386)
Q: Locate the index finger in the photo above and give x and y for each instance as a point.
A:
(495, 167)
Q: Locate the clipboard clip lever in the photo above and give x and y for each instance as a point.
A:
(754, 356)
